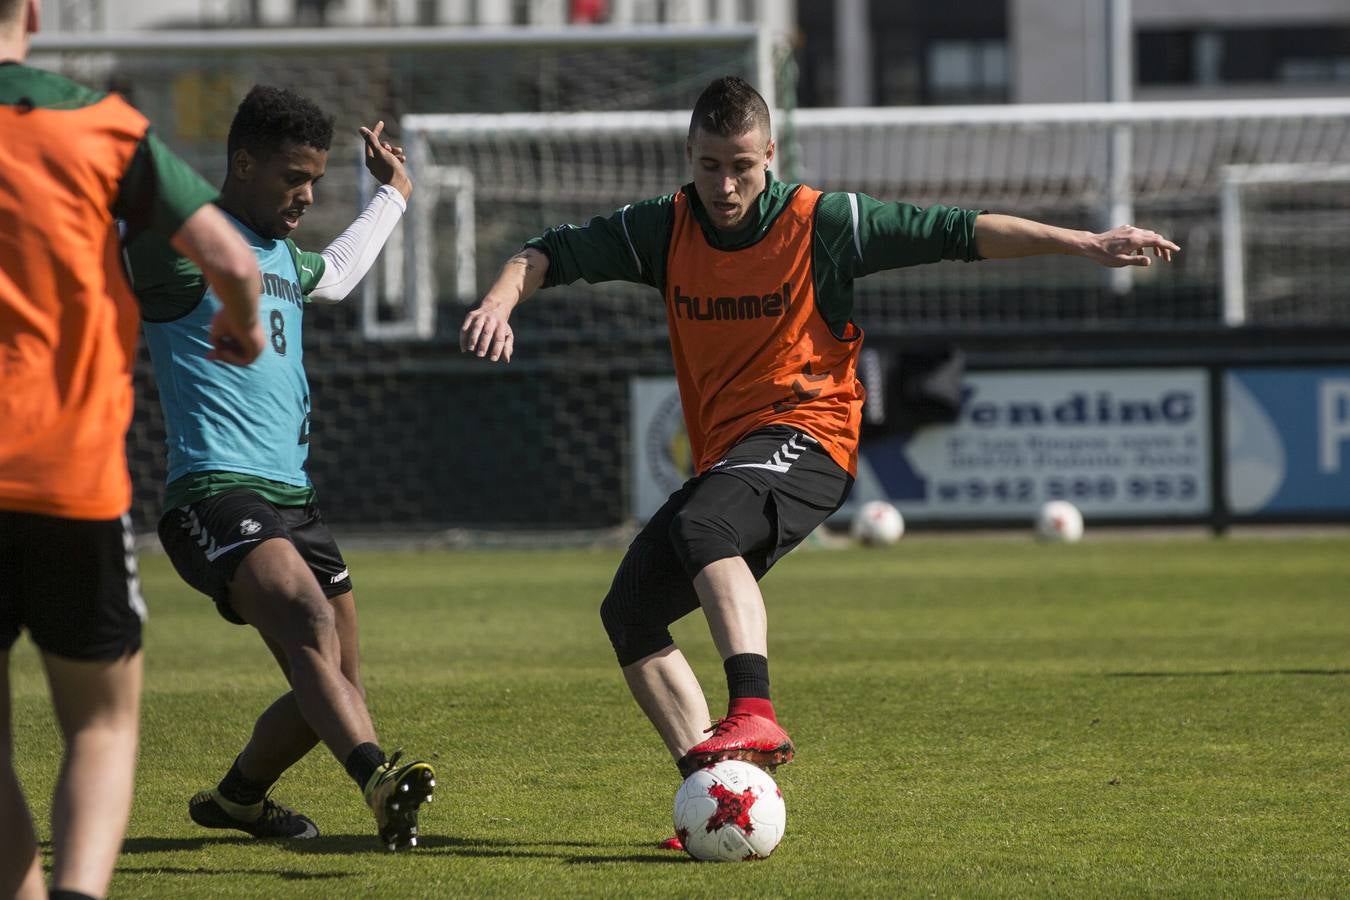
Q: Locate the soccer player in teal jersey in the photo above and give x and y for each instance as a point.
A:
(241, 523)
(757, 277)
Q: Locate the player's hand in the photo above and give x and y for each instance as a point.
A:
(385, 161)
(486, 332)
(1126, 246)
(235, 344)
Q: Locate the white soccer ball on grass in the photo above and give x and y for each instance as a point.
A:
(1059, 521)
(728, 812)
(878, 524)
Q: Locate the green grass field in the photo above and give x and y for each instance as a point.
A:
(974, 717)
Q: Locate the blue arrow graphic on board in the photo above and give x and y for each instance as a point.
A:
(886, 455)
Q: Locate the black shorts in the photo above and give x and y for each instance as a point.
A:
(207, 540)
(770, 491)
(72, 583)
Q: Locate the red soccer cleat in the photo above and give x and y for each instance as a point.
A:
(743, 736)
(672, 843)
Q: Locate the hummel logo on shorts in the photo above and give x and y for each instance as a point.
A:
(784, 458)
(249, 526)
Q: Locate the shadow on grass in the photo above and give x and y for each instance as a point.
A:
(232, 872)
(176, 844)
(656, 856)
(1224, 673)
(487, 848)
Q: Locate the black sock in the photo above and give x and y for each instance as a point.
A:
(235, 788)
(363, 761)
(747, 676)
(55, 894)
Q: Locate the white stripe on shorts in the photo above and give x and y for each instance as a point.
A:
(134, 598)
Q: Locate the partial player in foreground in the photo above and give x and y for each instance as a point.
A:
(241, 523)
(72, 162)
(757, 280)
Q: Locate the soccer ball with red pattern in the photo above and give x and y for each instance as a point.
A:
(1060, 521)
(730, 811)
(878, 524)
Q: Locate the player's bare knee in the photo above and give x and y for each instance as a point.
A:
(307, 620)
(318, 618)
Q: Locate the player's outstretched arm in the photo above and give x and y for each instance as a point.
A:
(347, 260)
(231, 269)
(486, 330)
(1008, 237)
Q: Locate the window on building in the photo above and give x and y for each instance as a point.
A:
(1212, 56)
(961, 71)
(921, 52)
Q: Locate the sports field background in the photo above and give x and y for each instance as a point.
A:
(974, 717)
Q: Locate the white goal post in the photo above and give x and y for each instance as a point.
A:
(1237, 178)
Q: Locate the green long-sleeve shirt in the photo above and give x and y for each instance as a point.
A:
(855, 235)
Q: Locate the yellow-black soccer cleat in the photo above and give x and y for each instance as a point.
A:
(394, 794)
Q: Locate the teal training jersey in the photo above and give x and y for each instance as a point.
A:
(252, 420)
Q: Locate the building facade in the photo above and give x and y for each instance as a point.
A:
(888, 52)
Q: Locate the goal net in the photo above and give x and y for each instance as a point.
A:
(1082, 166)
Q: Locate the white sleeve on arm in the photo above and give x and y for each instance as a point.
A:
(352, 253)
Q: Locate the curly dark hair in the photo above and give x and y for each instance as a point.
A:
(729, 107)
(270, 117)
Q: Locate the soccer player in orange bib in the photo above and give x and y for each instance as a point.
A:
(757, 278)
(71, 162)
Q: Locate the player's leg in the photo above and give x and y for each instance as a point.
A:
(734, 606)
(265, 581)
(394, 789)
(274, 591)
(84, 611)
(20, 862)
(193, 537)
(281, 736)
(771, 491)
(325, 677)
(98, 709)
(668, 692)
(650, 591)
(725, 518)
(237, 548)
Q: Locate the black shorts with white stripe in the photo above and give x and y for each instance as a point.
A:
(207, 540)
(771, 490)
(72, 583)
(764, 497)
